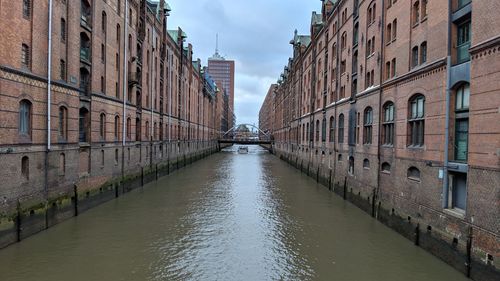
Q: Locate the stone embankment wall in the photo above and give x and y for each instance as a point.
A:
(452, 240)
(45, 209)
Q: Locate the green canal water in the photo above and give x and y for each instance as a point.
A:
(228, 217)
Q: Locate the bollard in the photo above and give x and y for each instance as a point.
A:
(75, 194)
(468, 263)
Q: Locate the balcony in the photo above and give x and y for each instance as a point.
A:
(85, 22)
(85, 54)
(463, 54)
(134, 78)
(463, 3)
(85, 89)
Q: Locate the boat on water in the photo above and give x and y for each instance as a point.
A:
(243, 149)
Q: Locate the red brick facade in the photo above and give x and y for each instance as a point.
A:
(396, 104)
(127, 98)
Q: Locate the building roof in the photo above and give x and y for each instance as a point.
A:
(196, 65)
(174, 34)
(304, 40)
(316, 19)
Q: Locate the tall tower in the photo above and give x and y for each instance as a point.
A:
(222, 72)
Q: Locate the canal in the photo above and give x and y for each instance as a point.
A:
(228, 217)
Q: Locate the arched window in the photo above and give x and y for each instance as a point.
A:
(332, 129)
(424, 9)
(138, 129)
(388, 33)
(374, 12)
(341, 128)
(355, 35)
(84, 81)
(388, 124)
(413, 174)
(63, 30)
(368, 47)
(416, 121)
(386, 167)
(25, 118)
(366, 164)
(317, 130)
(351, 165)
(414, 56)
(367, 126)
(307, 132)
(63, 123)
(83, 121)
(117, 127)
(102, 126)
(388, 70)
(311, 132)
(423, 53)
(25, 167)
(343, 41)
(129, 129)
(118, 33)
(416, 13)
(369, 21)
(104, 22)
(146, 130)
(323, 130)
(462, 122)
(393, 68)
(394, 29)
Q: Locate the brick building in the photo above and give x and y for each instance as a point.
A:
(127, 102)
(395, 105)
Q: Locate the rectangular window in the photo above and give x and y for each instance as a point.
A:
(463, 42)
(63, 30)
(461, 139)
(25, 56)
(62, 67)
(27, 9)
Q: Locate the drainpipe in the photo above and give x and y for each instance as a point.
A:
(125, 87)
(49, 102)
(151, 85)
(380, 109)
(336, 119)
(49, 79)
(447, 110)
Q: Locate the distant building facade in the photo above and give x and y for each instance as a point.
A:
(222, 71)
(395, 105)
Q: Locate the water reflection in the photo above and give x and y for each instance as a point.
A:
(229, 217)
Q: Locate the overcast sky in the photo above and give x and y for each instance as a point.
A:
(255, 34)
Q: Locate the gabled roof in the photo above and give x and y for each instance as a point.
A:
(174, 34)
(316, 19)
(304, 40)
(196, 65)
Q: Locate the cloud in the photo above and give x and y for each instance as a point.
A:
(255, 34)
